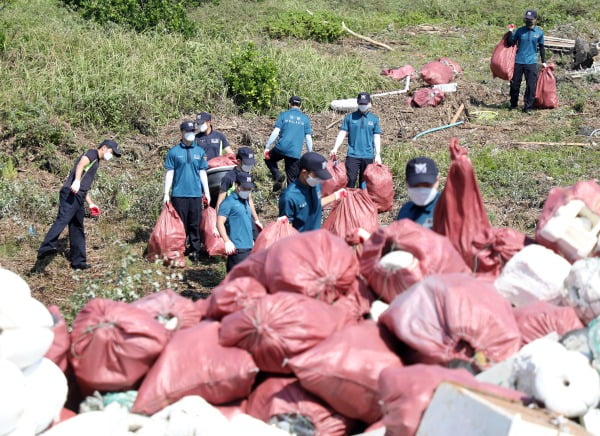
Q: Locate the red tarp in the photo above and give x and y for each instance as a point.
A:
(272, 233)
(355, 211)
(235, 295)
(538, 319)
(280, 326)
(502, 62)
(453, 316)
(167, 304)
(113, 345)
(546, 96)
(193, 363)
(434, 254)
(380, 186)
(167, 241)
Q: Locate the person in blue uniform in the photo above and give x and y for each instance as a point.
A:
(212, 141)
(422, 180)
(186, 165)
(364, 140)
(71, 209)
(292, 129)
(529, 40)
(235, 222)
(301, 202)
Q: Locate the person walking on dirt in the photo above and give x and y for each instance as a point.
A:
(186, 165)
(71, 209)
(364, 140)
(235, 222)
(245, 163)
(529, 40)
(301, 202)
(212, 141)
(292, 129)
(422, 181)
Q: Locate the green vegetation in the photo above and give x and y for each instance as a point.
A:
(319, 26)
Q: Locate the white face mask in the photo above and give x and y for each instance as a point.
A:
(244, 194)
(363, 107)
(203, 127)
(422, 196)
(108, 156)
(246, 168)
(189, 136)
(313, 181)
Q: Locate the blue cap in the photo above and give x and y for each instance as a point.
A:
(187, 126)
(245, 180)
(421, 170)
(312, 161)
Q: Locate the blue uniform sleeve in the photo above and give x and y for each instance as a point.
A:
(169, 161)
(377, 126)
(225, 209)
(279, 123)
(346, 123)
(286, 207)
(203, 164)
(307, 126)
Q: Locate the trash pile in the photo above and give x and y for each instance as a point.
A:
(319, 333)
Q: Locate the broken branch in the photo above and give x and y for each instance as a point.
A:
(366, 38)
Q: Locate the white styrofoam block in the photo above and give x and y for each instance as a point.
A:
(582, 288)
(12, 396)
(13, 287)
(534, 273)
(377, 308)
(110, 421)
(591, 421)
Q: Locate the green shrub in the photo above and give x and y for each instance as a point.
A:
(161, 15)
(252, 78)
(319, 26)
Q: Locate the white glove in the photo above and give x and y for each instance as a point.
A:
(75, 186)
(378, 159)
(340, 193)
(283, 218)
(207, 196)
(166, 198)
(215, 231)
(229, 247)
(544, 64)
(259, 224)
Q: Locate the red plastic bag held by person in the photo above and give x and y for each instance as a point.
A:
(541, 318)
(454, 316)
(167, 240)
(355, 211)
(380, 186)
(272, 233)
(437, 73)
(215, 245)
(114, 345)
(338, 177)
(502, 62)
(170, 309)
(59, 350)
(546, 96)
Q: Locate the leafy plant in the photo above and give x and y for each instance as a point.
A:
(318, 26)
(252, 78)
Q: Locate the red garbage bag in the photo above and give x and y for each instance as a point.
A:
(193, 363)
(424, 97)
(453, 316)
(222, 161)
(338, 180)
(433, 254)
(167, 240)
(398, 73)
(59, 350)
(280, 326)
(437, 73)
(455, 66)
(588, 192)
(316, 263)
(540, 318)
(546, 96)
(460, 215)
(380, 186)
(233, 296)
(344, 368)
(357, 302)
(272, 233)
(170, 309)
(252, 266)
(279, 398)
(355, 211)
(406, 393)
(502, 62)
(215, 245)
(114, 345)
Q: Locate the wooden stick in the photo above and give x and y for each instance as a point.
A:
(457, 114)
(329, 126)
(579, 144)
(366, 38)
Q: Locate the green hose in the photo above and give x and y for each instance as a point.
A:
(435, 129)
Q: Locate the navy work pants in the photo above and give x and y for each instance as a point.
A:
(355, 168)
(70, 213)
(530, 72)
(291, 166)
(189, 210)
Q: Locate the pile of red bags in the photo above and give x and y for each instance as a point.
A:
(502, 62)
(541, 318)
(167, 240)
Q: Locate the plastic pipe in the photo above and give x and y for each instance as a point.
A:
(435, 129)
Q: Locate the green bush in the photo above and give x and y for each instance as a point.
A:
(252, 78)
(161, 15)
(319, 26)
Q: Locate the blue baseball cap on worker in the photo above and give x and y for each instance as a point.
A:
(530, 15)
(112, 145)
(245, 180)
(203, 117)
(295, 100)
(187, 126)
(421, 170)
(246, 155)
(312, 161)
(363, 98)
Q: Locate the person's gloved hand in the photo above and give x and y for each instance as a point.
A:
(363, 235)
(511, 27)
(166, 198)
(267, 154)
(94, 210)
(544, 64)
(206, 199)
(229, 247)
(378, 159)
(259, 225)
(283, 218)
(340, 193)
(75, 186)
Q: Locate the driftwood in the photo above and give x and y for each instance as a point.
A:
(457, 114)
(329, 126)
(366, 38)
(577, 144)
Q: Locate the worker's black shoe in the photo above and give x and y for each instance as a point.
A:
(195, 257)
(512, 108)
(527, 111)
(278, 183)
(81, 266)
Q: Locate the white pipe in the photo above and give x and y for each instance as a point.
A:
(349, 104)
